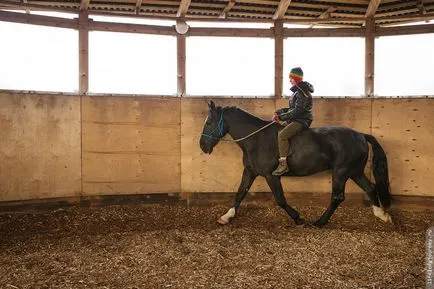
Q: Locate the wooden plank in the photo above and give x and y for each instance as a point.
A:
(84, 4)
(228, 7)
(221, 171)
(83, 43)
(405, 129)
(325, 32)
(40, 146)
(281, 9)
(138, 6)
(131, 145)
(326, 14)
(27, 9)
(372, 8)
(369, 57)
(421, 7)
(129, 174)
(38, 20)
(239, 32)
(278, 58)
(181, 54)
(354, 113)
(407, 30)
(131, 28)
(183, 8)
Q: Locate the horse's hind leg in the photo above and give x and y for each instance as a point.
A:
(246, 182)
(363, 182)
(276, 187)
(338, 196)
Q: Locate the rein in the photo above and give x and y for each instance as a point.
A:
(220, 127)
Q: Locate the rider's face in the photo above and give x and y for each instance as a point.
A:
(292, 81)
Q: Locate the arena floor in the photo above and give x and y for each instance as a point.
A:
(179, 246)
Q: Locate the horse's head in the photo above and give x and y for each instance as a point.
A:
(214, 128)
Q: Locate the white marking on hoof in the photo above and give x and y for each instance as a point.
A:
(224, 220)
(379, 213)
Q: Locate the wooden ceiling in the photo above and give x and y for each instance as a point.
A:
(310, 12)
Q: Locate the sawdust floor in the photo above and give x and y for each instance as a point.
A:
(175, 246)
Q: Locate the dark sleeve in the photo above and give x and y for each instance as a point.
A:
(281, 110)
(296, 111)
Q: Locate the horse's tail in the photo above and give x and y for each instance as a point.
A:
(380, 171)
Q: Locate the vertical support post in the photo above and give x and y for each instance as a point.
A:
(369, 57)
(83, 42)
(181, 64)
(278, 58)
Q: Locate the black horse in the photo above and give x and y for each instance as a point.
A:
(338, 148)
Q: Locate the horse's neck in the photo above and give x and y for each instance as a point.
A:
(241, 123)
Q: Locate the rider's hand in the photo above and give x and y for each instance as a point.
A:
(276, 117)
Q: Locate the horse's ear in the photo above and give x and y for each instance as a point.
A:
(211, 105)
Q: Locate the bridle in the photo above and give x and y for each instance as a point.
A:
(220, 128)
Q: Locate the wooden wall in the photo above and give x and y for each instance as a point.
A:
(130, 145)
(63, 146)
(405, 128)
(40, 149)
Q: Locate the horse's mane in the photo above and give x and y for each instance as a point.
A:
(239, 112)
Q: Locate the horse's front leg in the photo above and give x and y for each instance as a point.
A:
(276, 187)
(246, 182)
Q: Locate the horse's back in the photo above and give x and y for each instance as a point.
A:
(319, 149)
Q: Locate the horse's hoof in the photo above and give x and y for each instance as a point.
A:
(300, 223)
(319, 224)
(389, 219)
(222, 221)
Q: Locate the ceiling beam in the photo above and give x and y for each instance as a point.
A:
(421, 7)
(372, 8)
(138, 5)
(326, 14)
(84, 4)
(38, 20)
(228, 7)
(183, 8)
(281, 9)
(27, 8)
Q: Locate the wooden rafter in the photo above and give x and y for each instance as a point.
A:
(38, 20)
(281, 9)
(421, 7)
(27, 8)
(83, 43)
(372, 8)
(385, 12)
(84, 4)
(183, 8)
(138, 5)
(228, 7)
(326, 14)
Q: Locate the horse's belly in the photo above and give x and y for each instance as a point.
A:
(308, 165)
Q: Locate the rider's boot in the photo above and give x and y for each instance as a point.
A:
(282, 168)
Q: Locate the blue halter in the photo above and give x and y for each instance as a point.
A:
(219, 128)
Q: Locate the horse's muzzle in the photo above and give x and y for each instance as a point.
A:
(205, 146)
